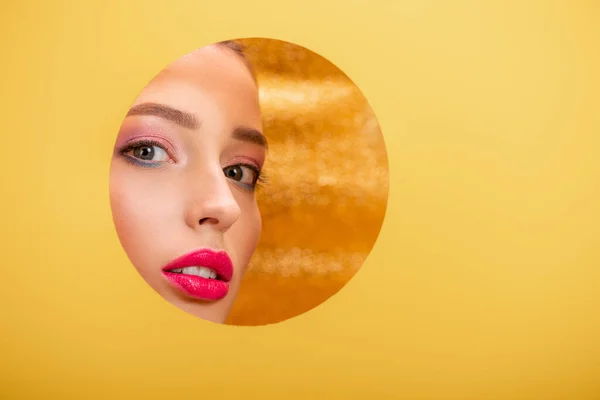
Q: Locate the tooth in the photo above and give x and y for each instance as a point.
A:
(176, 270)
(204, 272)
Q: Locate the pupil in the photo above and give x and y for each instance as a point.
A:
(234, 173)
(145, 153)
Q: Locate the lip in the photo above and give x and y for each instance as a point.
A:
(196, 286)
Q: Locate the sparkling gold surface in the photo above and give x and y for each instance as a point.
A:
(327, 184)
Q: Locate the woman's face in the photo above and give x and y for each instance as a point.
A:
(182, 180)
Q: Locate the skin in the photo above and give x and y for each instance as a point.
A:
(182, 200)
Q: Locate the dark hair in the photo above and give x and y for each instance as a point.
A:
(238, 49)
(235, 47)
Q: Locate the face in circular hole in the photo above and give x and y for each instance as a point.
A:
(187, 161)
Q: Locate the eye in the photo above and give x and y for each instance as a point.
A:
(245, 175)
(150, 153)
(145, 153)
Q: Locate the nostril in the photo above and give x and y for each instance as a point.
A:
(203, 220)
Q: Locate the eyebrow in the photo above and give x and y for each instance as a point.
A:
(182, 118)
(251, 136)
(189, 121)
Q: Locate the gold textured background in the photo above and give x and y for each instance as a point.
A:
(482, 284)
(327, 183)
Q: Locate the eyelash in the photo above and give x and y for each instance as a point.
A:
(141, 143)
(259, 182)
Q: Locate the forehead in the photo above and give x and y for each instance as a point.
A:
(210, 79)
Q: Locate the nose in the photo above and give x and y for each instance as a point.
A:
(211, 202)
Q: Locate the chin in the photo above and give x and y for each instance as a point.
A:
(212, 312)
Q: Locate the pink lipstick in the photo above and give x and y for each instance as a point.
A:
(202, 274)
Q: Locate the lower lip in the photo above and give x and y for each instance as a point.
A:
(198, 287)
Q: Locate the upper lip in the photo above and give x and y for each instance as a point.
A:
(217, 260)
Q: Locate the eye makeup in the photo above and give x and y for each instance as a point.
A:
(249, 161)
(153, 144)
(236, 171)
(255, 180)
(142, 147)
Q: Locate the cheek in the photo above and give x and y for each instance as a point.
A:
(139, 214)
